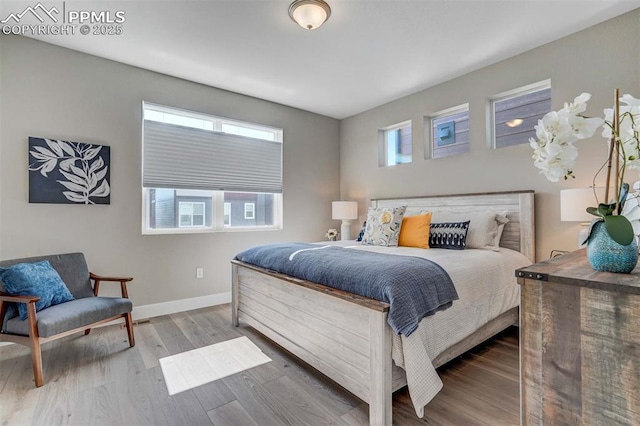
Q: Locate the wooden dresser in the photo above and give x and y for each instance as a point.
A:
(579, 344)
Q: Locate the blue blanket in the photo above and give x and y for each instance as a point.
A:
(414, 287)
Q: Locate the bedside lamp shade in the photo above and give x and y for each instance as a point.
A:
(574, 203)
(573, 207)
(345, 211)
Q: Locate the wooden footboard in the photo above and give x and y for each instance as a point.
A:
(344, 336)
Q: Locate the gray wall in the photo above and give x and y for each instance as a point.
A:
(53, 92)
(595, 60)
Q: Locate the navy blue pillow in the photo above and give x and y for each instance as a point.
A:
(35, 279)
(361, 234)
(450, 235)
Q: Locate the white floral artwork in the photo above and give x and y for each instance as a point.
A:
(68, 172)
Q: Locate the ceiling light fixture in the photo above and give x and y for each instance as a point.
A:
(309, 14)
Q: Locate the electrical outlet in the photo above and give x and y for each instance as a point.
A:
(199, 272)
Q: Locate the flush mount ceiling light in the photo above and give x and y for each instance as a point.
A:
(309, 14)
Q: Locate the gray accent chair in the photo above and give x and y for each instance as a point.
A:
(86, 311)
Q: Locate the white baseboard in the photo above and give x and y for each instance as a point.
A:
(166, 308)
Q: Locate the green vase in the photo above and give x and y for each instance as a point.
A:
(606, 255)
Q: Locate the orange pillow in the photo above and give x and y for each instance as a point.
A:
(415, 231)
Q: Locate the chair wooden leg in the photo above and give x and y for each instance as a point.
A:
(36, 359)
(129, 323)
(36, 352)
(87, 331)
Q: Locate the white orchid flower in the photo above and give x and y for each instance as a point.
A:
(631, 211)
(535, 144)
(553, 150)
(578, 105)
(629, 127)
(558, 126)
(629, 100)
(584, 128)
(556, 161)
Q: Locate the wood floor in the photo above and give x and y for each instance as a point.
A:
(98, 380)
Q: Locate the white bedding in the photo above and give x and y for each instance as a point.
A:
(486, 285)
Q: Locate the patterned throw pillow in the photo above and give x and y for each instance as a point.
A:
(449, 235)
(485, 228)
(361, 234)
(383, 226)
(35, 279)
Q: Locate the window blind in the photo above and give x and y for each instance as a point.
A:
(187, 158)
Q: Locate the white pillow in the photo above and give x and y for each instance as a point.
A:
(485, 228)
(502, 219)
(383, 226)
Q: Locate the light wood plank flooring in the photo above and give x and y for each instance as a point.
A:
(97, 379)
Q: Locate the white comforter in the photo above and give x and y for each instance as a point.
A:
(486, 285)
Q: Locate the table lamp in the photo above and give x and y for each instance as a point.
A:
(573, 208)
(345, 211)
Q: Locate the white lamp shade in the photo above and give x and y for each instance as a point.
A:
(344, 210)
(574, 203)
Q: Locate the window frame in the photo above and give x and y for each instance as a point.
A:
(509, 94)
(252, 210)
(217, 220)
(224, 213)
(192, 203)
(217, 121)
(217, 198)
(383, 157)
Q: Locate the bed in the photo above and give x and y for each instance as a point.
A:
(346, 336)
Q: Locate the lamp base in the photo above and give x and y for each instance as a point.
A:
(345, 230)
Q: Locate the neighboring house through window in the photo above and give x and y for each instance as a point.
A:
(515, 113)
(449, 132)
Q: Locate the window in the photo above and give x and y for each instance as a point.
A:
(250, 132)
(396, 144)
(515, 113)
(203, 173)
(449, 132)
(191, 214)
(249, 211)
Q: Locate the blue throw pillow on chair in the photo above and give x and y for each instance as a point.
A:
(35, 279)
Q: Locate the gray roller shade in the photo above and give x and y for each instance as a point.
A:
(187, 158)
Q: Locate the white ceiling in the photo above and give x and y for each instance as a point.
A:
(368, 53)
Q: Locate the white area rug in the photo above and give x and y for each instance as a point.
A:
(195, 368)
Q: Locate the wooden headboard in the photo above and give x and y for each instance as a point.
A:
(519, 233)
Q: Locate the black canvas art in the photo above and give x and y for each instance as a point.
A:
(64, 172)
